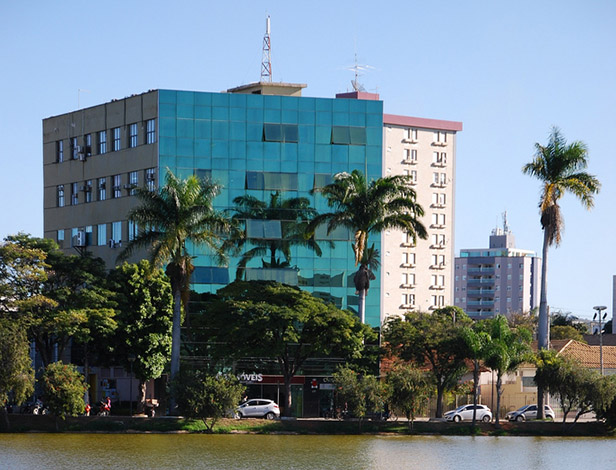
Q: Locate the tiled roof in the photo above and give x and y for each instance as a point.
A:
(588, 355)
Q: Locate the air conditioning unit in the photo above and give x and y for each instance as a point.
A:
(79, 240)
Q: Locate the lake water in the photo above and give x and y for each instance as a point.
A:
(228, 452)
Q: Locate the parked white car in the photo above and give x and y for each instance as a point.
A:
(528, 412)
(258, 408)
(465, 413)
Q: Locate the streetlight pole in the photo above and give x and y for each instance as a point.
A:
(599, 309)
(131, 359)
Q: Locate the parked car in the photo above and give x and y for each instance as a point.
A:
(465, 413)
(528, 412)
(258, 408)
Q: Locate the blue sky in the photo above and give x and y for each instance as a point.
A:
(508, 70)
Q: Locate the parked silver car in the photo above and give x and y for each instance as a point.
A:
(528, 412)
(258, 408)
(465, 413)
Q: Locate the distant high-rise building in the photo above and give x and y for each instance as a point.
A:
(500, 279)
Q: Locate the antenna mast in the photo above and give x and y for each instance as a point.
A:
(266, 61)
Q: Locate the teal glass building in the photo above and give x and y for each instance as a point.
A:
(254, 144)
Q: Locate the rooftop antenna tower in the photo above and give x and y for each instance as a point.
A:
(358, 69)
(266, 60)
(505, 224)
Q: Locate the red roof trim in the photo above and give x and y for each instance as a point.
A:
(396, 120)
(359, 95)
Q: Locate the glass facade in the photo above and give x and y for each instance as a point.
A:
(258, 144)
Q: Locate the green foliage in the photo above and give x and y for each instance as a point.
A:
(574, 386)
(505, 350)
(67, 302)
(16, 373)
(293, 214)
(359, 394)
(209, 397)
(434, 341)
(566, 332)
(180, 213)
(285, 323)
(144, 317)
(409, 389)
(366, 208)
(63, 389)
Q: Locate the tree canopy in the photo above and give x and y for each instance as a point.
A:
(272, 320)
(433, 341)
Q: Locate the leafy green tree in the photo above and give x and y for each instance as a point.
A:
(560, 169)
(63, 389)
(566, 332)
(145, 318)
(369, 208)
(293, 215)
(69, 302)
(574, 386)
(505, 351)
(361, 394)
(16, 373)
(477, 341)
(209, 397)
(272, 320)
(22, 273)
(434, 341)
(409, 390)
(181, 212)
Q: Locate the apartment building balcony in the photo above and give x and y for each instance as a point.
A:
(487, 280)
(481, 292)
(481, 270)
(480, 303)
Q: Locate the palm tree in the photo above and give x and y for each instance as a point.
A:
(180, 212)
(504, 351)
(366, 208)
(560, 168)
(293, 215)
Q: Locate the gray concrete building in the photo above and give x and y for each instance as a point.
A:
(501, 279)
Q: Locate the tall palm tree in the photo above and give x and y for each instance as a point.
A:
(369, 208)
(560, 168)
(293, 214)
(180, 212)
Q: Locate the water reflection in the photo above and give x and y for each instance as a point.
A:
(139, 451)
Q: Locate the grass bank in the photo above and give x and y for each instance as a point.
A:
(124, 424)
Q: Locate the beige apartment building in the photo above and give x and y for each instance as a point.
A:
(418, 276)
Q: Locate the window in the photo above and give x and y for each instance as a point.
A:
(87, 140)
(411, 135)
(408, 279)
(348, 135)
(265, 229)
(438, 261)
(150, 136)
(408, 259)
(74, 194)
(439, 158)
(438, 239)
(60, 235)
(59, 151)
(74, 148)
(117, 186)
(102, 235)
(439, 179)
(440, 137)
(438, 220)
(412, 176)
(438, 199)
(280, 133)
(133, 230)
(132, 181)
(322, 179)
(438, 301)
(60, 195)
(102, 189)
(132, 135)
(150, 179)
(410, 155)
(408, 300)
(210, 275)
(102, 142)
(407, 240)
(117, 140)
(116, 232)
(271, 181)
